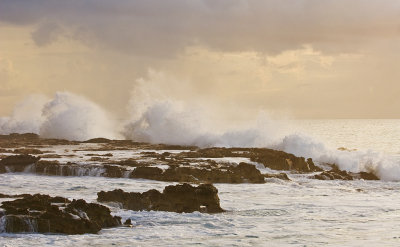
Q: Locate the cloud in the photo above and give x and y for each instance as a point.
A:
(46, 33)
(165, 28)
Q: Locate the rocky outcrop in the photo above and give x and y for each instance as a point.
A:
(273, 159)
(242, 173)
(17, 163)
(333, 175)
(366, 176)
(45, 214)
(182, 198)
(336, 173)
(279, 160)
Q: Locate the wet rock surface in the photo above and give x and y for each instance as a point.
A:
(45, 214)
(183, 198)
(336, 174)
(242, 173)
(17, 163)
(172, 163)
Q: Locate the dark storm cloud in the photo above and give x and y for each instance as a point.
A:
(163, 28)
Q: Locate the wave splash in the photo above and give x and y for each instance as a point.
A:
(66, 116)
(72, 117)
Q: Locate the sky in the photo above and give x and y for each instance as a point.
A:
(304, 58)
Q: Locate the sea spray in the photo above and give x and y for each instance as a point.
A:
(169, 121)
(66, 116)
(73, 117)
(26, 116)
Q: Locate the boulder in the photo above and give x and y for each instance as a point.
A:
(44, 214)
(183, 198)
(17, 163)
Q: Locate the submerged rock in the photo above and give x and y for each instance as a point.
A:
(282, 176)
(44, 214)
(183, 198)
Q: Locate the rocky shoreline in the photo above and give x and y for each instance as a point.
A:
(28, 153)
(45, 214)
(24, 153)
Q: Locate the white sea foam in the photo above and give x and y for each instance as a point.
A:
(169, 121)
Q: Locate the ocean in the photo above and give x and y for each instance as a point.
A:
(300, 212)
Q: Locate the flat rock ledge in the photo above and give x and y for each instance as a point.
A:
(183, 198)
(45, 214)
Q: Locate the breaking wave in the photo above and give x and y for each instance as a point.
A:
(66, 116)
(73, 117)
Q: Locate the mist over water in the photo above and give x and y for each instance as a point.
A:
(66, 116)
(163, 120)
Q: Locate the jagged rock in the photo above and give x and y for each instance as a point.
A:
(175, 198)
(279, 160)
(336, 173)
(333, 174)
(17, 163)
(242, 173)
(368, 176)
(45, 214)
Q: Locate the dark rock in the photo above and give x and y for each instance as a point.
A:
(54, 168)
(129, 162)
(45, 214)
(209, 153)
(333, 174)
(279, 160)
(153, 173)
(368, 176)
(242, 173)
(113, 171)
(17, 163)
(175, 198)
(128, 222)
(27, 151)
(282, 176)
(336, 173)
(98, 140)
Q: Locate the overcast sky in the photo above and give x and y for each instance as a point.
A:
(306, 58)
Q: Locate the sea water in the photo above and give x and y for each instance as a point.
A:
(302, 212)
